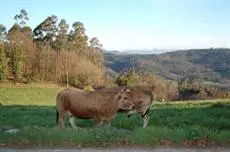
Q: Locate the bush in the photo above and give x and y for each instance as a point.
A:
(164, 89)
(194, 91)
(81, 72)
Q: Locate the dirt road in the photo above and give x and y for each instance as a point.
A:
(120, 150)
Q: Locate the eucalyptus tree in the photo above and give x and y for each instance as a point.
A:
(22, 17)
(45, 35)
(3, 58)
(95, 51)
(79, 38)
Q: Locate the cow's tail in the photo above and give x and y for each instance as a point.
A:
(57, 107)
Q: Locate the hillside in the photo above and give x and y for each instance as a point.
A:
(209, 65)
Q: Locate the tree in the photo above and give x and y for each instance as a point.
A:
(94, 42)
(27, 32)
(79, 38)
(19, 37)
(3, 59)
(95, 51)
(61, 44)
(62, 37)
(79, 28)
(3, 33)
(45, 33)
(50, 52)
(14, 34)
(22, 17)
(15, 51)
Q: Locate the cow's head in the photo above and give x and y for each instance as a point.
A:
(124, 99)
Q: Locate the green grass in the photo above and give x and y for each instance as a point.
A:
(32, 111)
(28, 96)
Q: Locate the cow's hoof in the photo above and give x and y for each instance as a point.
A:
(99, 126)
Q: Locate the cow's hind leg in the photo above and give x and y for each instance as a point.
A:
(71, 120)
(62, 115)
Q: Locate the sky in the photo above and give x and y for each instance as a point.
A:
(135, 24)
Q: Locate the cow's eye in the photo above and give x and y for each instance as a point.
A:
(125, 98)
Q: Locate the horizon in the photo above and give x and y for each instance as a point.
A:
(136, 25)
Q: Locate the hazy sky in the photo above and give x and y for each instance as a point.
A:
(135, 24)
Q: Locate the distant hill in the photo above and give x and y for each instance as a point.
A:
(115, 52)
(147, 51)
(134, 51)
(210, 65)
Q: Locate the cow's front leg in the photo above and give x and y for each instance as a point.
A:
(108, 122)
(145, 120)
(99, 122)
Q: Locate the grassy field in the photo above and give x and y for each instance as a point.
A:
(32, 110)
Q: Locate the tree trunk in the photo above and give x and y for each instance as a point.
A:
(67, 73)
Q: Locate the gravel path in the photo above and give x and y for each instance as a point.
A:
(120, 150)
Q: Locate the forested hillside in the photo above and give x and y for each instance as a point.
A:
(207, 65)
(52, 51)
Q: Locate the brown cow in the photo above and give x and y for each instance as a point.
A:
(99, 105)
(142, 97)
